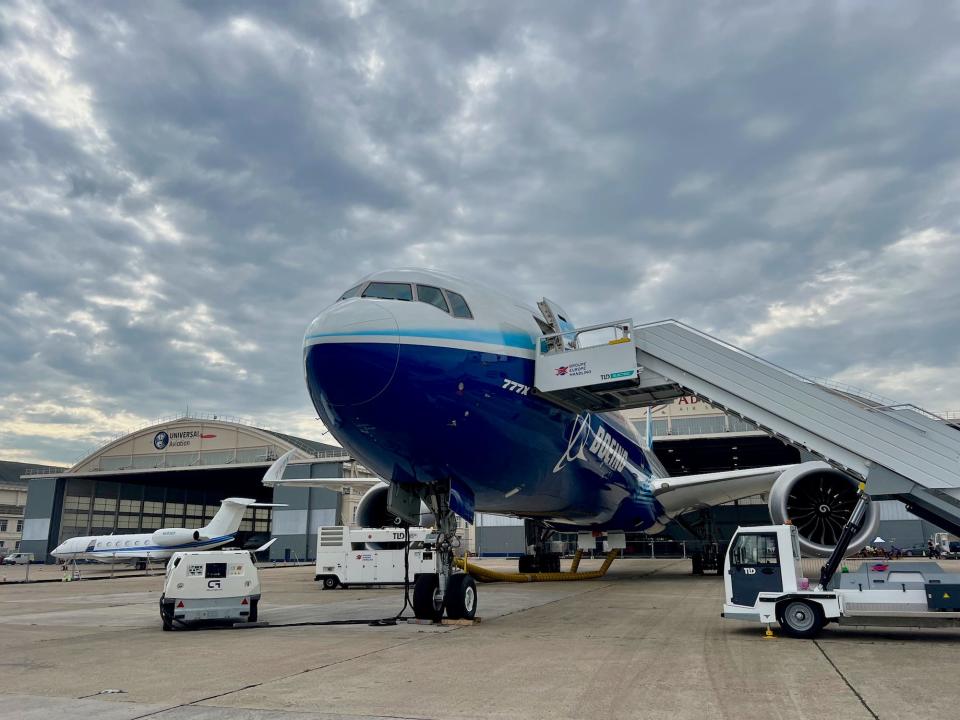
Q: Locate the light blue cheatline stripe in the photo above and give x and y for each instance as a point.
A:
(141, 548)
(490, 337)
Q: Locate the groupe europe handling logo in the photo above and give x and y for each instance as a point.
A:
(579, 368)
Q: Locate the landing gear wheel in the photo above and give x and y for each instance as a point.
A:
(252, 617)
(427, 603)
(461, 597)
(800, 619)
(330, 582)
(697, 561)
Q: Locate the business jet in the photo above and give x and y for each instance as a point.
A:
(428, 379)
(140, 548)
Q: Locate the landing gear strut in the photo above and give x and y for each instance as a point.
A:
(540, 556)
(708, 557)
(445, 589)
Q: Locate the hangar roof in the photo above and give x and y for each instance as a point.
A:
(10, 472)
(188, 442)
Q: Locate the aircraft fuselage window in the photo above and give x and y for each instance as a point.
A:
(352, 292)
(459, 305)
(432, 296)
(389, 291)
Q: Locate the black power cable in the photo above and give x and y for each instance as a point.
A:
(382, 622)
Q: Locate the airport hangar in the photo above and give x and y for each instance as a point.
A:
(174, 473)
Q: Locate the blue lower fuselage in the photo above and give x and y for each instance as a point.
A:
(425, 412)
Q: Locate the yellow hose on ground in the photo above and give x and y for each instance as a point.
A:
(576, 560)
(487, 575)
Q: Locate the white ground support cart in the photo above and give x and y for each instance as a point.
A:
(214, 586)
(369, 556)
(763, 582)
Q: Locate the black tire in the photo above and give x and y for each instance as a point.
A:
(425, 605)
(252, 617)
(330, 582)
(166, 614)
(697, 561)
(527, 564)
(800, 619)
(461, 597)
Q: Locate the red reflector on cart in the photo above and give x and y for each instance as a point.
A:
(180, 604)
(244, 602)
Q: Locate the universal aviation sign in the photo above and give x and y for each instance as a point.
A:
(180, 439)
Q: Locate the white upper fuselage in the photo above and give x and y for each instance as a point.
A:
(126, 548)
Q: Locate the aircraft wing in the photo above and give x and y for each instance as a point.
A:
(694, 492)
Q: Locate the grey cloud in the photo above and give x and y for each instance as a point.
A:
(186, 184)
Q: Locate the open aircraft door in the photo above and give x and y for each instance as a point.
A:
(558, 320)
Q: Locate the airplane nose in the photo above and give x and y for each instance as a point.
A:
(352, 350)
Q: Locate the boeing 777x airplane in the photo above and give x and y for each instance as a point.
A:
(428, 379)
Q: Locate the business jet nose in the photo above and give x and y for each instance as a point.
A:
(351, 352)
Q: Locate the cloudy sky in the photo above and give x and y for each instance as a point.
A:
(183, 186)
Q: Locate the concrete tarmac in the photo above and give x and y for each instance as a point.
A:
(646, 641)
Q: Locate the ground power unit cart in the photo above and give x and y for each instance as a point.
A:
(369, 556)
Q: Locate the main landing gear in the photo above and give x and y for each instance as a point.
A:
(444, 590)
(540, 557)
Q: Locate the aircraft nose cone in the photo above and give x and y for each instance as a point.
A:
(351, 352)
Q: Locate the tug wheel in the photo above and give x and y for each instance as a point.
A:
(800, 619)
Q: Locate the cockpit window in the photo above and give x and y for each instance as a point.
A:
(432, 296)
(352, 292)
(459, 305)
(389, 291)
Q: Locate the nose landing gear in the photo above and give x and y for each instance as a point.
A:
(444, 590)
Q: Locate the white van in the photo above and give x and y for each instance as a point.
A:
(211, 586)
(18, 558)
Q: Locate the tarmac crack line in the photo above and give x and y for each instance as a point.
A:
(847, 682)
(277, 679)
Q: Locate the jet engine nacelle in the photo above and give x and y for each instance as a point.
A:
(168, 537)
(818, 500)
(372, 512)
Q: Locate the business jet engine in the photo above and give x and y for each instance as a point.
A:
(168, 537)
(818, 499)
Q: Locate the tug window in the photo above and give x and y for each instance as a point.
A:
(459, 305)
(389, 291)
(432, 296)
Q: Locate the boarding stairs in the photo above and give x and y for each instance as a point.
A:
(901, 451)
